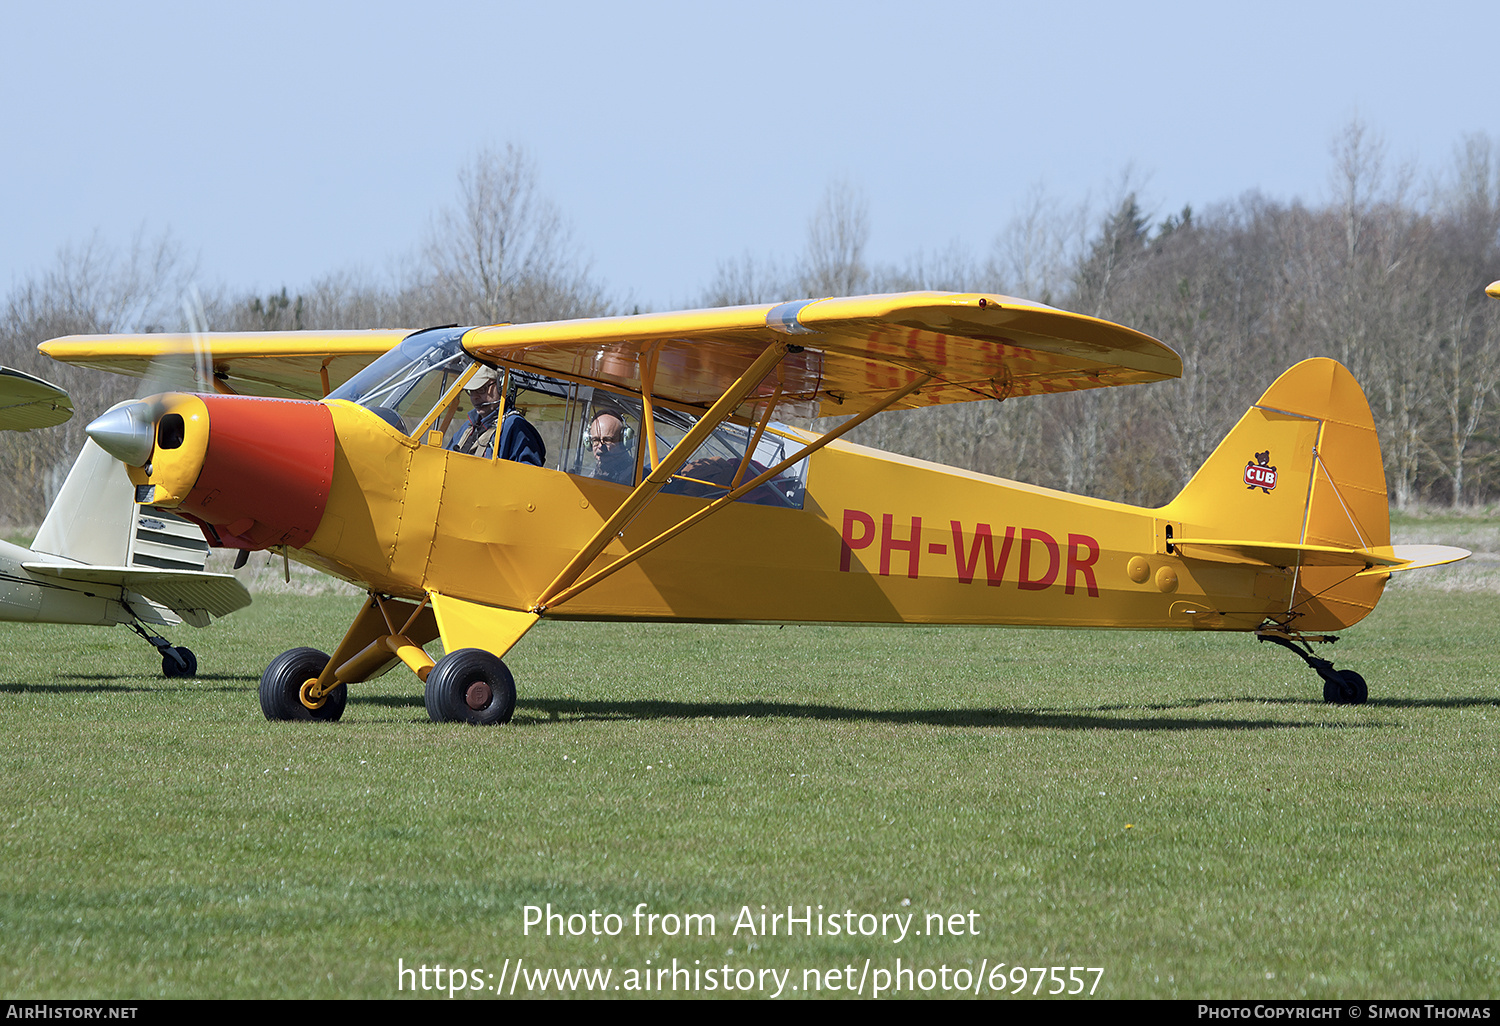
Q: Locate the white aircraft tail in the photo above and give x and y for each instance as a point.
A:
(95, 533)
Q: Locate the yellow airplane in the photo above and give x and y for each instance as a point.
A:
(474, 480)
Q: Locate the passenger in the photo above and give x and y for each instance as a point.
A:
(609, 442)
(520, 441)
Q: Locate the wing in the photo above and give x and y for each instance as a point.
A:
(27, 402)
(853, 351)
(282, 364)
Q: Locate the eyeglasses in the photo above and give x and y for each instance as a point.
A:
(598, 440)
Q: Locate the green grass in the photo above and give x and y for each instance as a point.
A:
(1181, 810)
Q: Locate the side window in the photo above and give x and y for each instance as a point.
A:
(406, 401)
(604, 441)
(544, 402)
(605, 435)
(719, 464)
(468, 417)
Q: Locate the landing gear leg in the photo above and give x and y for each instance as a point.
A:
(307, 684)
(176, 661)
(1340, 687)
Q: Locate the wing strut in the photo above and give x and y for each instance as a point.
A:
(661, 473)
(556, 595)
(760, 429)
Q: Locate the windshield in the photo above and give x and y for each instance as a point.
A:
(405, 383)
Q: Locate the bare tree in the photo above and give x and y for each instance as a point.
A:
(1033, 254)
(746, 280)
(833, 263)
(504, 253)
(952, 269)
(90, 288)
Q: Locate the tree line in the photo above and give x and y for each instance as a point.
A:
(1386, 275)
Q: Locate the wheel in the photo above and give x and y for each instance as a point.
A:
(1356, 691)
(1346, 688)
(1333, 690)
(178, 662)
(281, 687)
(470, 686)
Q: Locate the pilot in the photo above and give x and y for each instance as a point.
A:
(520, 441)
(607, 439)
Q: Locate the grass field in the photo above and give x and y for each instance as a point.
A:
(1181, 811)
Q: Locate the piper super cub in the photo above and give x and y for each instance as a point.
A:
(474, 480)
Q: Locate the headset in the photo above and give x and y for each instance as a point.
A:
(627, 433)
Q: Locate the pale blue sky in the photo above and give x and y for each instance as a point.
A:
(279, 142)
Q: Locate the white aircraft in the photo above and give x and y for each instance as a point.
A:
(98, 558)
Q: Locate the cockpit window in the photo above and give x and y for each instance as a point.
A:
(720, 465)
(404, 384)
(606, 444)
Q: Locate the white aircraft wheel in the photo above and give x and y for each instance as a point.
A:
(470, 686)
(281, 687)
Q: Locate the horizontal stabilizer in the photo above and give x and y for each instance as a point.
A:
(194, 596)
(1383, 559)
(1415, 557)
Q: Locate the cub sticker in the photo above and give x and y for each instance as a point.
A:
(1261, 474)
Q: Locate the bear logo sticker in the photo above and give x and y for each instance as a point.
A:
(1260, 474)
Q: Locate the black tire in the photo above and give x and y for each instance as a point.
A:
(1347, 688)
(470, 686)
(178, 662)
(1333, 690)
(281, 687)
(1356, 691)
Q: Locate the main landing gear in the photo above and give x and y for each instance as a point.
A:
(176, 660)
(1340, 687)
(468, 685)
(285, 688)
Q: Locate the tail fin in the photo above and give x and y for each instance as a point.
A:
(93, 516)
(95, 534)
(94, 519)
(1301, 475)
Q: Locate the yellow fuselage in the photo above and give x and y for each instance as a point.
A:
(882, 539)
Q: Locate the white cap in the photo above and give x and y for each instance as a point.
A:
(482, 377)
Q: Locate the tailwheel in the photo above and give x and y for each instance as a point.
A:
(284, 688)
(470, 686)
(178, 661)
(1345, 687)
(1340, 687)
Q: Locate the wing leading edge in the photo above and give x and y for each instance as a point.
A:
(278, 364)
